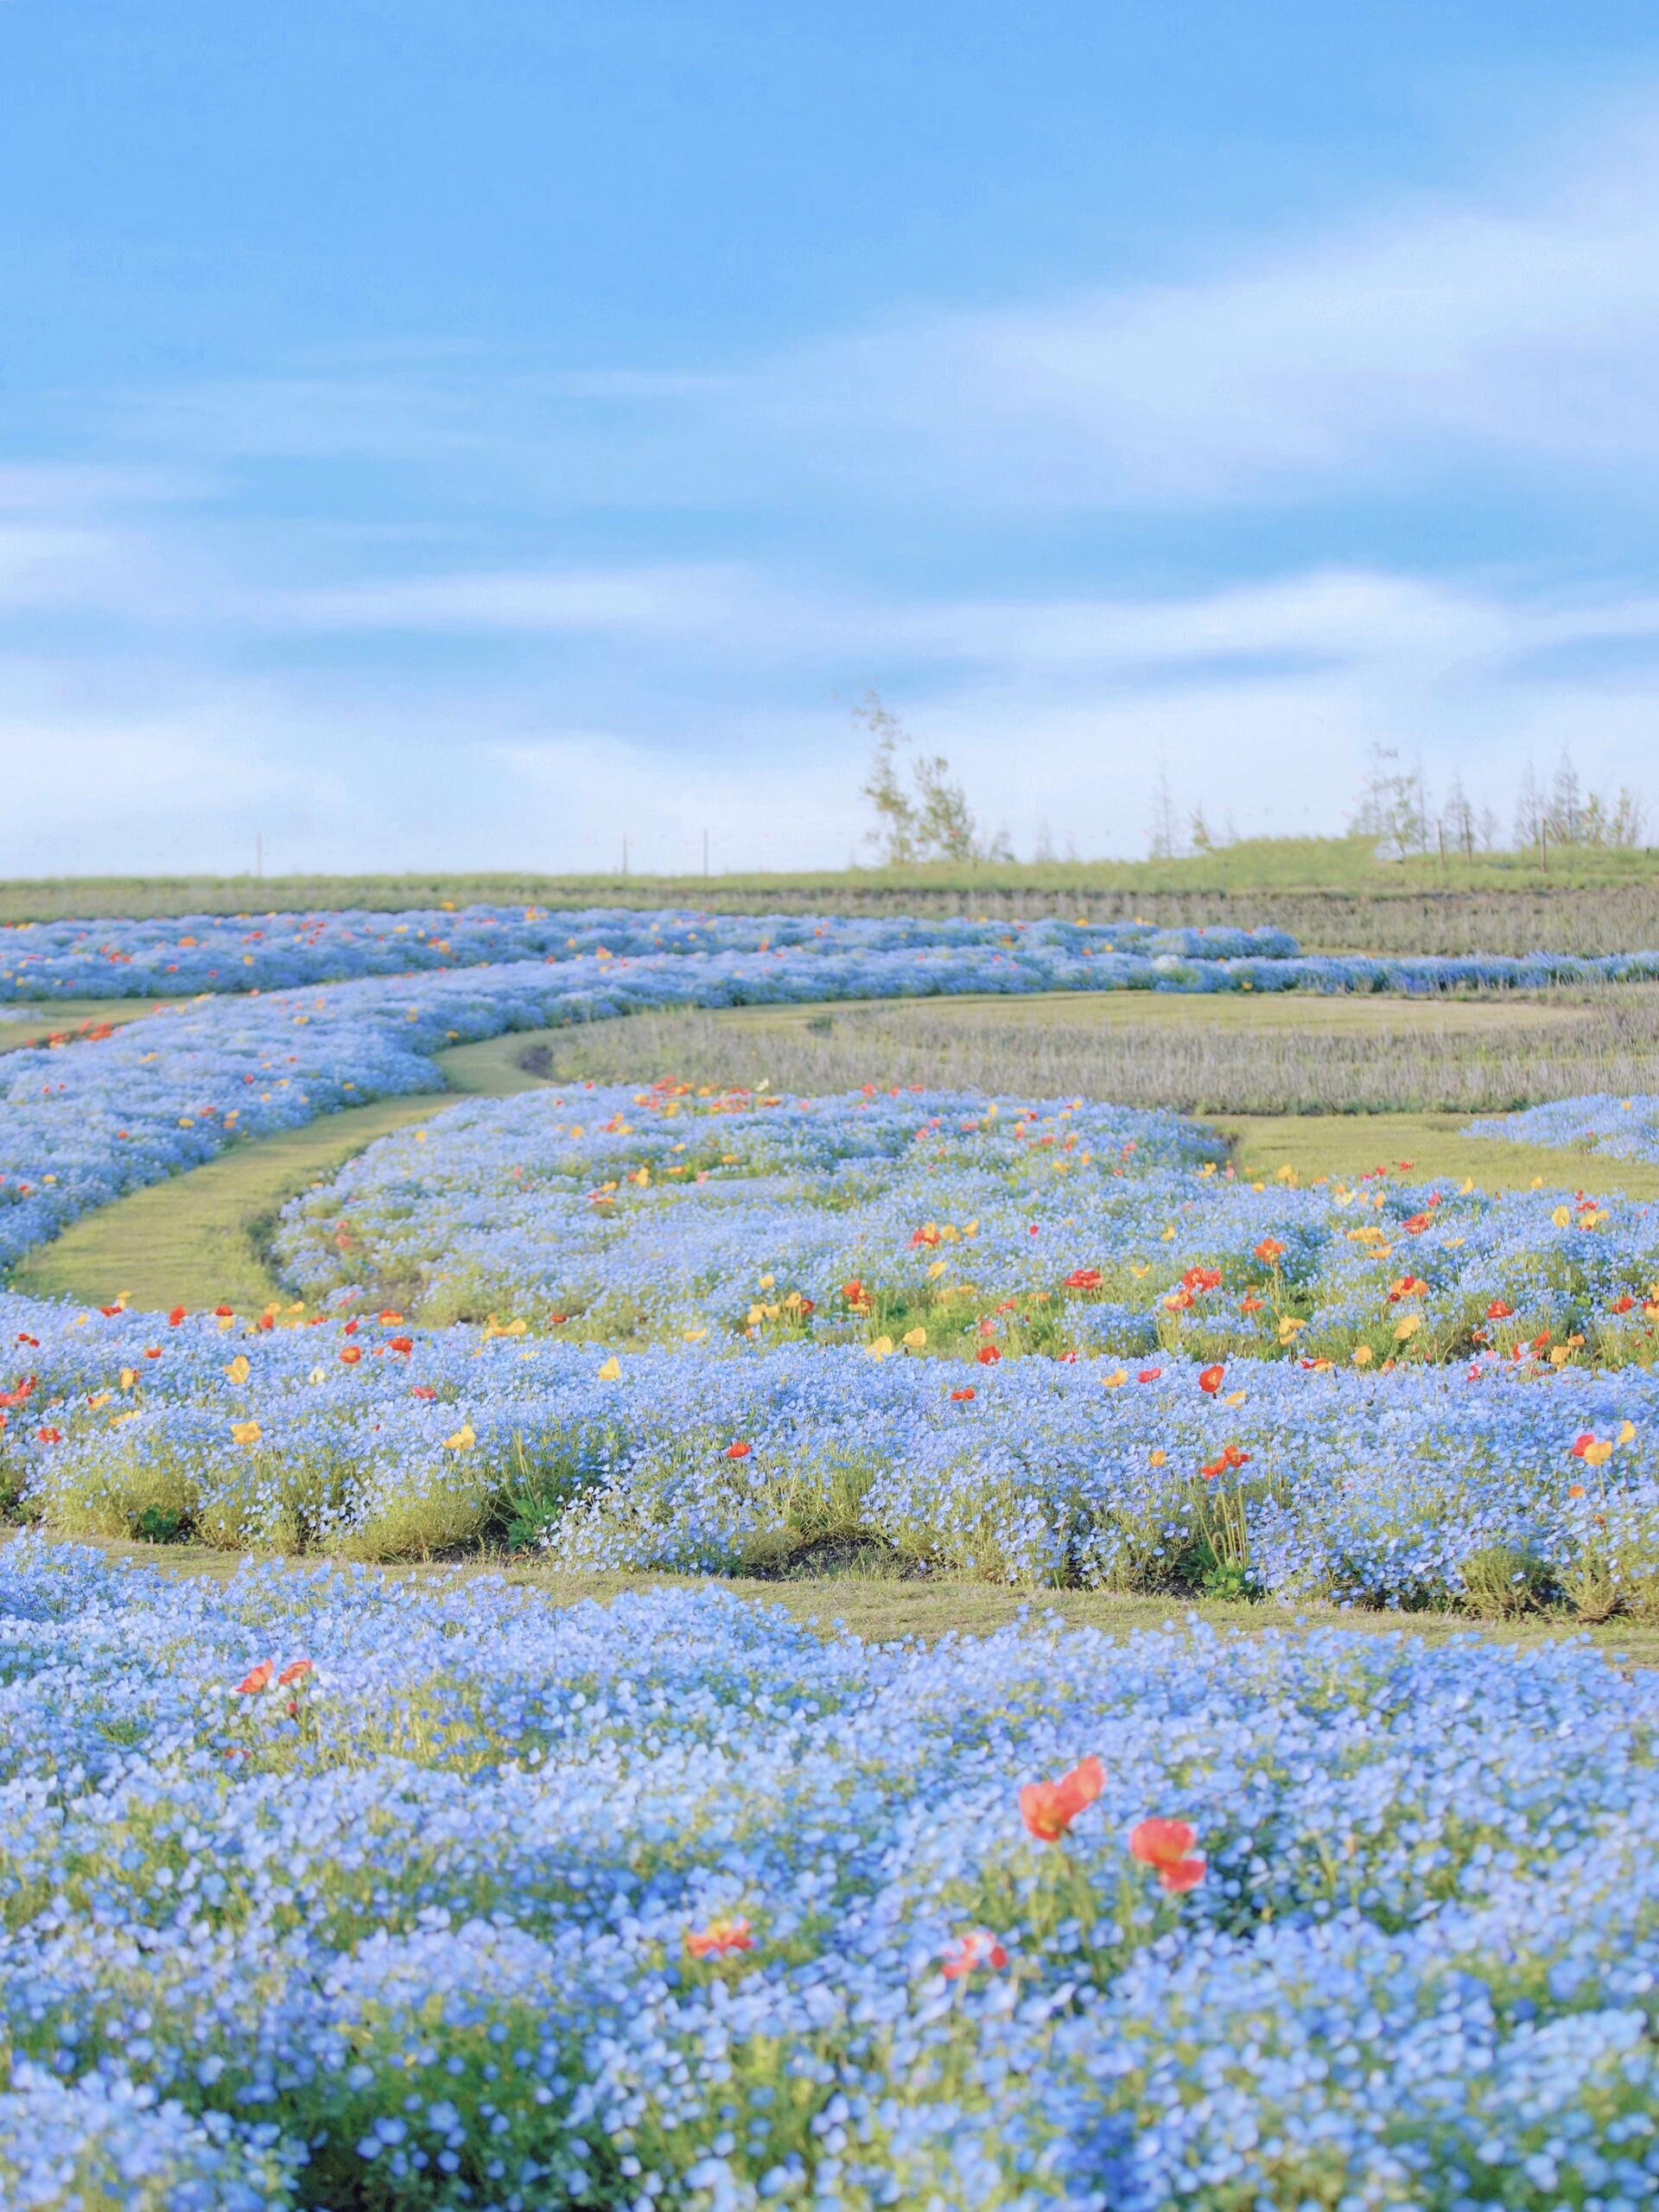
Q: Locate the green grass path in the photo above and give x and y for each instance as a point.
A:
(198, 1239)
(881, 1610)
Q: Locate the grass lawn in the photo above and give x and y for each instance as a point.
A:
(1351, 1144)
(880, 1610)
(64, 1017)
(1346, 865)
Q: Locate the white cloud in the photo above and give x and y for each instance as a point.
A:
(1528, 327)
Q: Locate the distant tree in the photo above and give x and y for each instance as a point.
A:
(1627, 822)
(1166, 843)
(895, 831)
(930, 821)
(1458, 819)
(1043, 851)
(1393, 805)
(1198, 834)
(1488, 829)
(945, 829)
(1564, 810)
(1530, 814)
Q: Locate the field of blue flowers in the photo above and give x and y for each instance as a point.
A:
(220, 953)
(320, 1891)
(324, 1889)
(1624, 1128)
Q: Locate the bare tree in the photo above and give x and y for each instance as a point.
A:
(1458, 819)
(1165, 837)
(932, 819)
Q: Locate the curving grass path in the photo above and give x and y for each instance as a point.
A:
(200, 1239)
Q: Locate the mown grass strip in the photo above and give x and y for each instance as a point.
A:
(1351, 1145)
(36, 1025)
(198, 1239)
(881, 1610)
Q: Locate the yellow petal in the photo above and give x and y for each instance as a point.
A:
(238, 1370)
(612, 1370)
(462, 1441)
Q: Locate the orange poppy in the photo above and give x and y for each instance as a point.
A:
(1048, 1809)
(1166, 1848)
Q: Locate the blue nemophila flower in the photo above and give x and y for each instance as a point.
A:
(524, 1904)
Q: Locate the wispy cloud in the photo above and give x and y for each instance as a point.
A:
(1526, 325)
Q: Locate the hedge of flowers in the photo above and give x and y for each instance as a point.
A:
(1492, 1485)
(217, 953)
(324, 1891)
(947, 1223)
(1624, 1128)
(265, 952)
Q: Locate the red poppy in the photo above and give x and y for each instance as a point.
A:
(224, 1312)
(1498, 1310)
(251, 1685)
(1623, 1304)
(1167, 1847)
(404, 1344)
(1149, 1375)
(1417, 1224)
(423, 1390)
(1201, 1279)
(961, 1397)
(50, 1436)
(738, 1451)
(1211, 1380)
(350, 1354)
(178, 1314)
(988, 1355)
(21, 1393)
(1085, 1279)
(1229, 1458)
(296, 1673)
(1048, 1809)
(972, 1952)
(720, 1937)
(1269, 1250)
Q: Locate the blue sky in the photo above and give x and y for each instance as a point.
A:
(463, 434)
